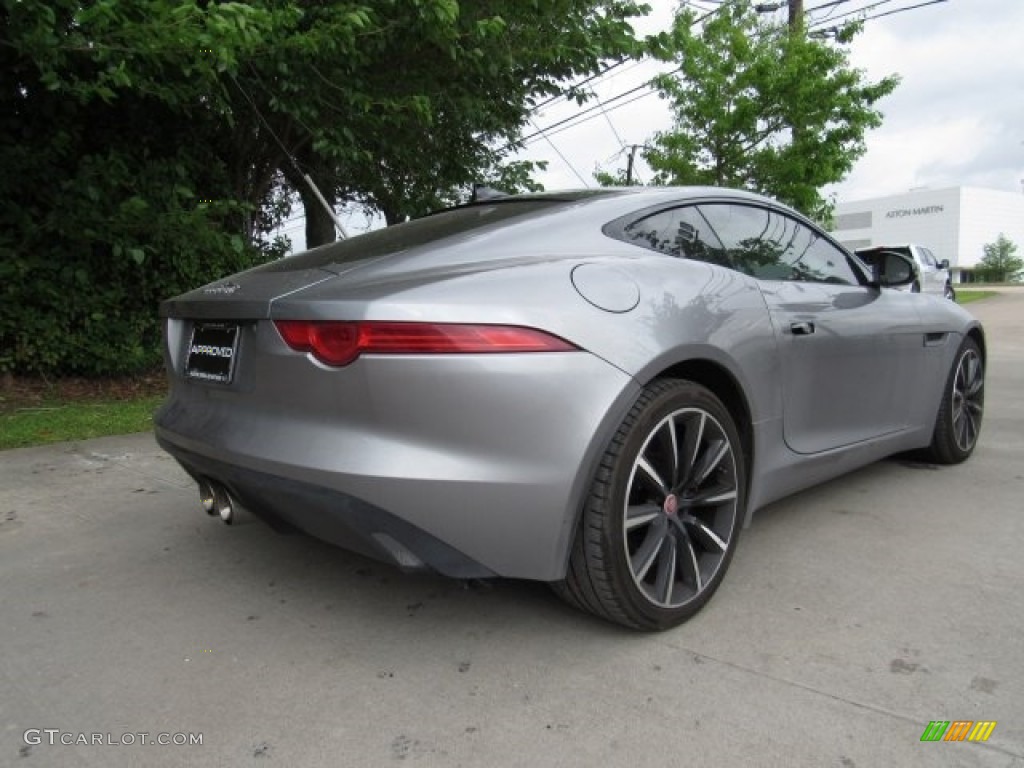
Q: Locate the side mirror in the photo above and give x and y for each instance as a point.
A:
(892, 270)
(944, 264)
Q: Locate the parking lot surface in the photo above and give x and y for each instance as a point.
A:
(853, 615)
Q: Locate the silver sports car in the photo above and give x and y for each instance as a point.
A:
(593, 389)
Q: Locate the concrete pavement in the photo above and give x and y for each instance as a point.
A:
(853, 614)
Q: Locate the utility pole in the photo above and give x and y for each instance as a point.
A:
(796, 14)
(796, 33)
(629, 164)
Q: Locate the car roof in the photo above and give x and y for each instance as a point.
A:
(634, 198)
(654, 194)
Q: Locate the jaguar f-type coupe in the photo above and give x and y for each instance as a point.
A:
(594, 389)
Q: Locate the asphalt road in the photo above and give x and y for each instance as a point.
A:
(853, 615)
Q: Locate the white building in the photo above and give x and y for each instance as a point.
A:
(954, 223)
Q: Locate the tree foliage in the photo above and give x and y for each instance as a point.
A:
(150, 146)
(1000, 264)
(113, 193)
(420, 97)
(762, 107)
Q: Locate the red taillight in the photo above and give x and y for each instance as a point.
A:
(339, 343)
(331, 343)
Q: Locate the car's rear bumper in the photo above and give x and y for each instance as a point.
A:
(469, 465)
(329, 515)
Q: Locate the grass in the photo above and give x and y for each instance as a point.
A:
(966, 297)
(55, 422)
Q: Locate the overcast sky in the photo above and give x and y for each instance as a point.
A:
(956, 119)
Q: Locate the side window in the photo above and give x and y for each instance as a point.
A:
(828, 263)
(751, 236)
(680, 232)
(928, 257)
(772, 246)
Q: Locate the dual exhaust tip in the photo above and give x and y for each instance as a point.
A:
(216, 500)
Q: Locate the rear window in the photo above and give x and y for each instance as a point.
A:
(410, 234)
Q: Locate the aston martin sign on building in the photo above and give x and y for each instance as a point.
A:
(897, 213)
(954, 223)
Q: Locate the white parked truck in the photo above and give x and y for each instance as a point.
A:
(933, 276)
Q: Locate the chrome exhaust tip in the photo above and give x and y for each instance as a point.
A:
(216, 501)
(224, 506)
(207, 498)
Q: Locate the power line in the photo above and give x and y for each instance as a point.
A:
(262, 119)
(863, 9)
(537, 137)
(609, 121)
(569, 89)
(273, 97)
(582, 117)
(564, 160)
(694, 4)
(819, 24)
(565, 92)
(908, 8)
(540, 132)
(634, 65)
(723, 4)
(833, 6)
(312, 185)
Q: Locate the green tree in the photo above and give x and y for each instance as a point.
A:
(760, 107)
(149, 146)
(430, 96)
(114, 192)
(1000, 264)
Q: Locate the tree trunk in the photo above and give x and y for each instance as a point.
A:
(320, 228)
(392, 214)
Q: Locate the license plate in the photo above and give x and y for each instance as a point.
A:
(212, 352)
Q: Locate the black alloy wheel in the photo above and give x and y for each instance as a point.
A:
(660, 525)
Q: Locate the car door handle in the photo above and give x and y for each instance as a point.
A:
(802, 329)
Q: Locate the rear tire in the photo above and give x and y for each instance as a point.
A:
(958, 422)
(660, 524)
